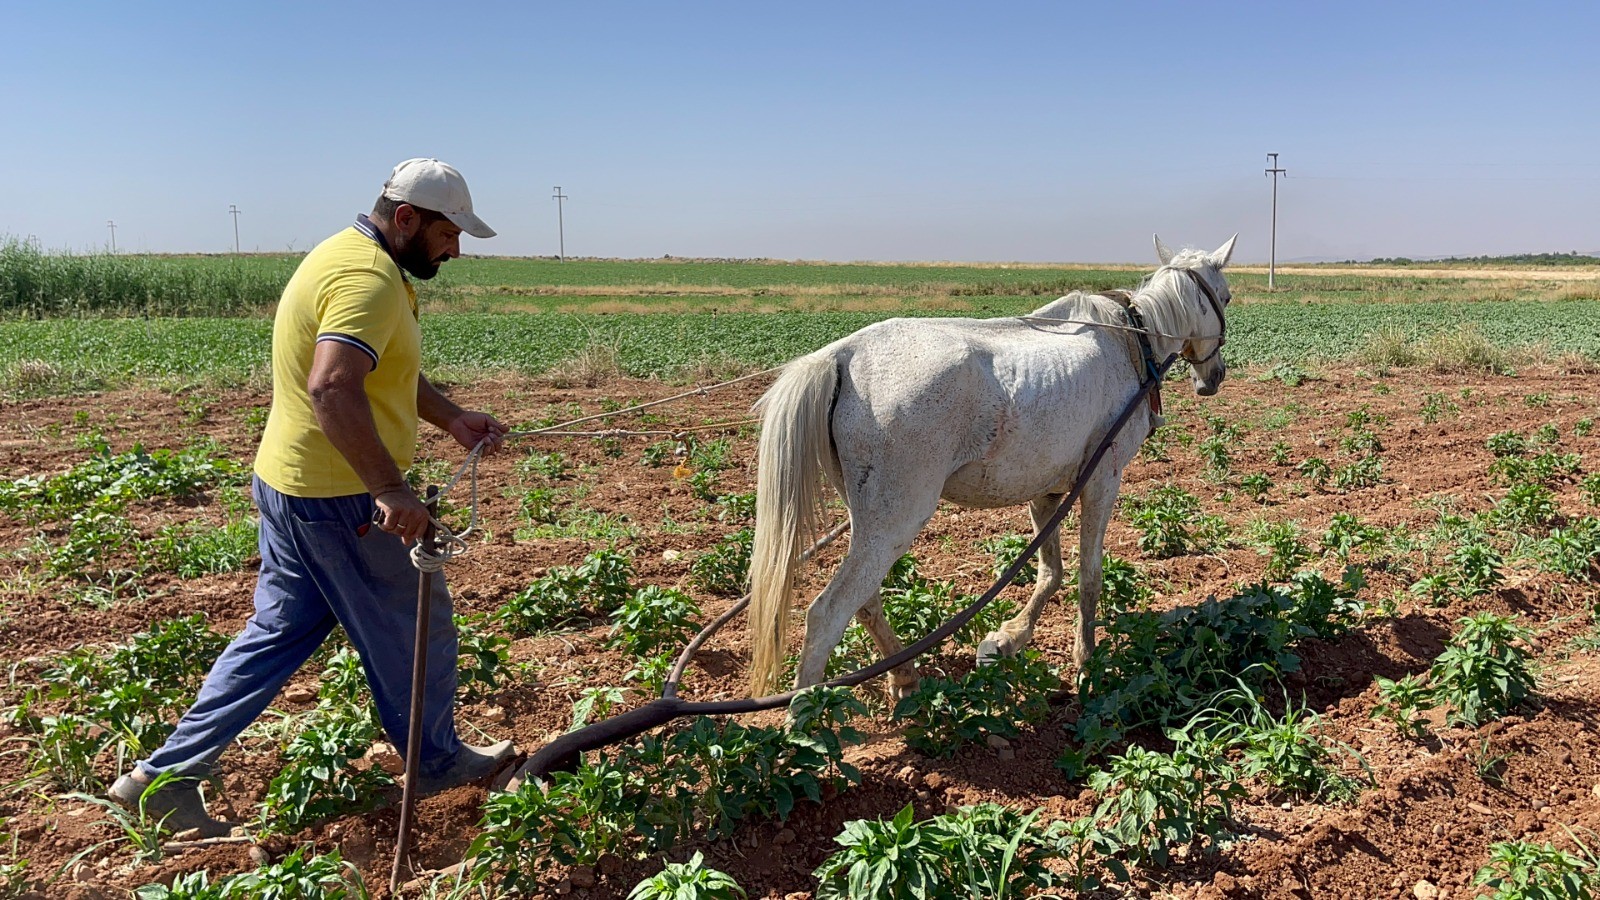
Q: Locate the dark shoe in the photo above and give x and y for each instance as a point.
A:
(471, 764)
(176, 804)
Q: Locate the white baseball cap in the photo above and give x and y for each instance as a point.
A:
(431, 184)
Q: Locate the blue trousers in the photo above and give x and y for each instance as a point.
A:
(317, 572)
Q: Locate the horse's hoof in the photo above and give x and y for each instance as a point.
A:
(988, 652)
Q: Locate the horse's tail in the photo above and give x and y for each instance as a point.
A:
(795, 447)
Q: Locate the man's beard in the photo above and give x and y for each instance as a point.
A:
(413, 257)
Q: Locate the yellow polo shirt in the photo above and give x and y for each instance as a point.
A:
(348, 290)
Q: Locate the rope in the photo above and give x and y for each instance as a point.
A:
(449, 544)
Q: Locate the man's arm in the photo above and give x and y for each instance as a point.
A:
(468, 427)
(337, 385)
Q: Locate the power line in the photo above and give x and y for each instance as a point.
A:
(234, 211)
(561, 226)
(113, 226)
(1272, 258)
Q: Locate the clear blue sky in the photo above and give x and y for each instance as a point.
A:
(1032, 131)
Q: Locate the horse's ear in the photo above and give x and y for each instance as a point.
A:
(1220, 258)
(1162, 253)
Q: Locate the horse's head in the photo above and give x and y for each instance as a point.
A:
(1202, 345)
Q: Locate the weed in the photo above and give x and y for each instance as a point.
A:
(1435, 407)
(190, 552)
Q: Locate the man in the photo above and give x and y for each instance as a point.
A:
(347, 394)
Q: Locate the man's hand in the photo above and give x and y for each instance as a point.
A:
(470, 428)
(401, 512)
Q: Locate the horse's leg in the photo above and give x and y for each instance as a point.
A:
(1012, 636)
(902, 679)
(874, 546)
(1099, 497)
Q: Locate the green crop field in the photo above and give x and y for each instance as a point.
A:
(74, 321)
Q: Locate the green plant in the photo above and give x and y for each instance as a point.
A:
(1526, 506)
(1005, 549)
(1507, 443)
(599, 583)
(654, 619)
(479, 659)
(1157, 801)
(693, 880)
(1214, 453)
(1280, 542)
(1256, 486)
(548, 465)
(1436, 406)
(301, 875)
(1582, 427)
(1476, 568)
(1483, 673)
(319, 779)
(995, 699)
(1279, 453)
(1346, 534)
(980, 852)
(594, 703)
(1522, 870)
(1364, 472)
(1316, 470)
(1170, 523)
(724, 569)
(1291, 374)
(1402, 703)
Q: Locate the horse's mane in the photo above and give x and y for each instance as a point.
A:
(1083, 306)
(1160, 296)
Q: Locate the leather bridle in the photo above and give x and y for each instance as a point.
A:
(1216, 306)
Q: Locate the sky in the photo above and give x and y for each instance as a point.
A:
(996, 131)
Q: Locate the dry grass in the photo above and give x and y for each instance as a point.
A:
(1388, 348)
(598, 363)
(1463, 350)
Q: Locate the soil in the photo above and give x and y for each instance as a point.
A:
(1428, 817)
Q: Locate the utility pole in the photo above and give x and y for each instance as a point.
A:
(1272, 258)
(113, 226)
(234, 211)
(561, 225)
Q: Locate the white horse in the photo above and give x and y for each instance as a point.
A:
(981, 412)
